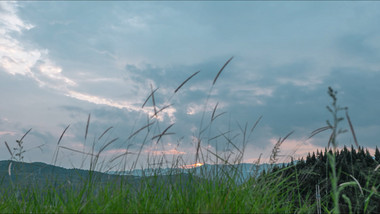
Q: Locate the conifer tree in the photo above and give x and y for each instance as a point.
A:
(377, 155)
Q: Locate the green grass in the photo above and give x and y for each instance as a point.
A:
(271, 192)
(156, 196)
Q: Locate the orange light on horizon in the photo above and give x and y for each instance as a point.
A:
(192, 165)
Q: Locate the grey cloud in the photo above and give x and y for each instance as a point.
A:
(168, 44)
(359, 46)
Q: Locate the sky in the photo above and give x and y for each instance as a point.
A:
(63, 61)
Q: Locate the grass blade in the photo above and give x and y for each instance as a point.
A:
(19, 142)
(162, 134)
(221, 134)
(257, 122)
(183, 83)
(10, 152)
(319, 130)
(88, 124)
(149, 97)
(105, 132)
(74, 150)
(220, 114)
(60, 138)
(213, 112)
(153, 101)
(59, 141)
(230, 142)
(225, 64)
(290, 133)
(25, 135)
(352, 129)
(10, 169)
(105, 146)
(142, 128)
(163, 108)
(121, 155)
(357, 182)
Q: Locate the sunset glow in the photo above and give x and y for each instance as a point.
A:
(192, 165)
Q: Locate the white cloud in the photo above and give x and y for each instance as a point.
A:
(13, 56)
(9, 19)
(16, 59)
(102, 101)
(49, 70)
(194, 109)
(169, 111)
(199, 107)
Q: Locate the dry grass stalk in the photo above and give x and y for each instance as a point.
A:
(276, 148)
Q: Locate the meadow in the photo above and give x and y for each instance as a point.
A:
(278, 189)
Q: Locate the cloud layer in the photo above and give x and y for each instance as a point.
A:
(60, 61)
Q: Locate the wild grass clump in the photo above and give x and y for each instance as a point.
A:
(167, 188)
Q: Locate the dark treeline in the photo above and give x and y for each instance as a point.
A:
(355, 166)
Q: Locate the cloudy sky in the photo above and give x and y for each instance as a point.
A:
(61, 61)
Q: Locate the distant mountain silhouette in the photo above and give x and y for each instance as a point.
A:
(41, 175)
(239, 172)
